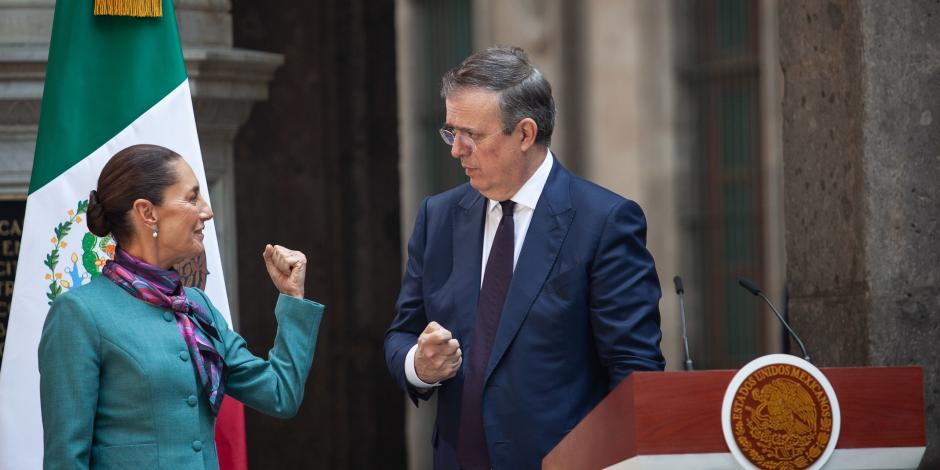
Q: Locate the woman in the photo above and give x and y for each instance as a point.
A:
(133, 365)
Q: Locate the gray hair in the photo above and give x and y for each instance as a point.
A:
(523, 90)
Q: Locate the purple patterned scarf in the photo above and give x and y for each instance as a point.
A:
(163, 289)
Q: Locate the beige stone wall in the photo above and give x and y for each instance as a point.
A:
(419, 422)
(772, 98)
(631, 129)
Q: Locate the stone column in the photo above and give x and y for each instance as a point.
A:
(630, 123)
(861, 166)
(225, 82)
(25, 29)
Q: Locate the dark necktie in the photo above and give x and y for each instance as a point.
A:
(471, 448)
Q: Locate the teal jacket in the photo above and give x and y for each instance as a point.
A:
(118, 389)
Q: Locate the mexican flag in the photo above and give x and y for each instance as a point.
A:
(111, 82)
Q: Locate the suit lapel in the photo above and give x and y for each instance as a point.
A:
(468, 246)
(547, 231)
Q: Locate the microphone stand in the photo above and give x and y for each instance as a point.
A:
(752, 288)
(685, 336)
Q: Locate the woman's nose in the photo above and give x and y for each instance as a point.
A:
(206, 212)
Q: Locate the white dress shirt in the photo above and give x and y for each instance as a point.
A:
(526, 199)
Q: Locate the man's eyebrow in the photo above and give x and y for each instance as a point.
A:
(458, 128)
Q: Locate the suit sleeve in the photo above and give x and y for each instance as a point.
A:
(624, 298)
(273, 386)
(69, 366)
(410, 318)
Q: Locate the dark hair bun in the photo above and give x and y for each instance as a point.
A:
(98, 223)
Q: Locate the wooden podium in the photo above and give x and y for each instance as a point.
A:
(673, 420)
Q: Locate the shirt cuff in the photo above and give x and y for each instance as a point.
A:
(412, 374)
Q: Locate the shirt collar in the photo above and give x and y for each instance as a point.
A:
(528, 194)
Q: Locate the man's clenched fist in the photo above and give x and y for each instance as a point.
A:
(438, 356)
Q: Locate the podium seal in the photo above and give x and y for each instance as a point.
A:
(780, 413)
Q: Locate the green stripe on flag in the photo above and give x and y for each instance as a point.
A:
(103, 73)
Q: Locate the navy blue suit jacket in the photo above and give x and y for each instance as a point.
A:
(581, 314)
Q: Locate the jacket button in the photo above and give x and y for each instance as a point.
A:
(191, 401)
(184, 356)
(168, 316)
(197, 445)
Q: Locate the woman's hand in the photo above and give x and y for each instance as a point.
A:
(287, 268)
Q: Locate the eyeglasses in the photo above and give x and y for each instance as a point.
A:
(452, 136)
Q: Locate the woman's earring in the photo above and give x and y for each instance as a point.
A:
(154, 232)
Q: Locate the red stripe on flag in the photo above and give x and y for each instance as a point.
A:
(230, 436)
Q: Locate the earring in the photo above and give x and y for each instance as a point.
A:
(154, 232)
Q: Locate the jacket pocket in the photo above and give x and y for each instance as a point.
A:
(566, 280)
(142, 456)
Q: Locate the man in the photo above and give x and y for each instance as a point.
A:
(529, 293)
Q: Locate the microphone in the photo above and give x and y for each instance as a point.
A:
(685, 337)
(752, 288)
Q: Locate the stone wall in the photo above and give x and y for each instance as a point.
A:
(862, 165)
